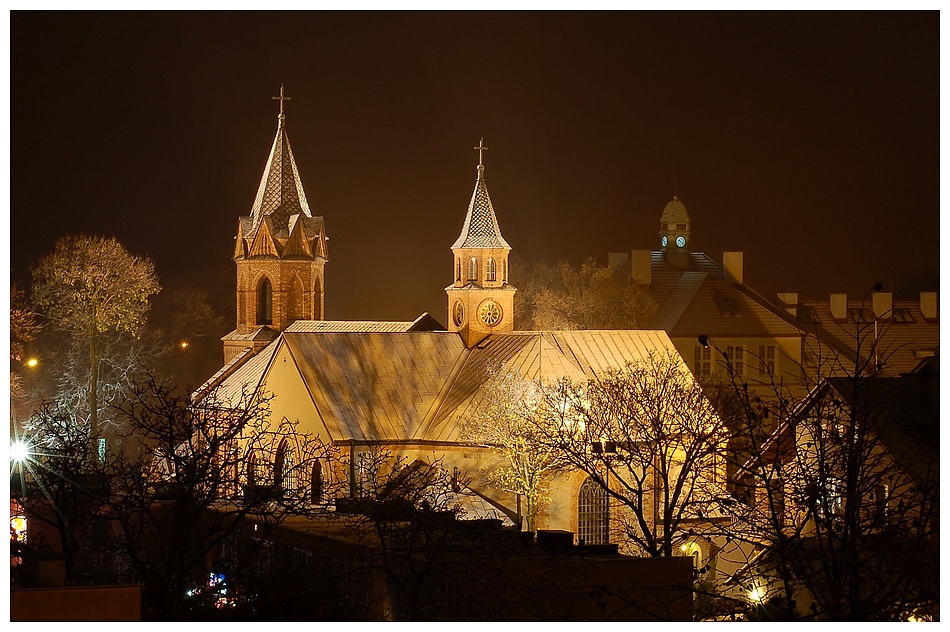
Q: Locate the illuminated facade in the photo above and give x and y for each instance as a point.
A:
(280, 251)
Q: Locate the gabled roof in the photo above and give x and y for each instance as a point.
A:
(703, 303)
(901, 413)
(480, 229)
(414, 386)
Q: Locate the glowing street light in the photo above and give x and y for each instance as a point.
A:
(32, 362)
(19, 451)
(184, 344)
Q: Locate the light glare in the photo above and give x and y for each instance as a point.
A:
(19, 451)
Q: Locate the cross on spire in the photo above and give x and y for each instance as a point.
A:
(281, 98)
(481, 148)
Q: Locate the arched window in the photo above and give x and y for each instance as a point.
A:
(316, 482)
(317, 300)
(252, 469)
(458, 269)
(592, 513)
(490, 270)
(265, 302)
(472, 269)
(284, 473)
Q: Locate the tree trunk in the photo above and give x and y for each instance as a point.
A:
(94, 388)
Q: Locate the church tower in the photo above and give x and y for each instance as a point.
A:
(675, 233)
(280, 252)
(480, 299)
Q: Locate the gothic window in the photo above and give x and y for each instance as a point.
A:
(592, 513)
(458, 270)
(504, 271)
(316, 482)
(284, 473)
(252, 470)
(472, 269)
(265, 302)
(490, 270)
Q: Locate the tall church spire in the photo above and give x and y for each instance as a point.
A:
(280, 252)
(480, 300)
(280, 193)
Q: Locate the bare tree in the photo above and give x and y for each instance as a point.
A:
(844, 491)
(89, 286)
(193, 475)
(648, 435)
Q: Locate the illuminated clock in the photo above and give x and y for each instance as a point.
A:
(664, 241)
(458, 313)
(490, 313)
(680, 241)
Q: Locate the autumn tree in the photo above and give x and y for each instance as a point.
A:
(507, 421)
(648, 435)
(24, 328)
(590, 296)
(90, 286)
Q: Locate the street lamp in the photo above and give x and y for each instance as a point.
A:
(20, 451)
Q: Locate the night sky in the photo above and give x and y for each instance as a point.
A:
(810, 141)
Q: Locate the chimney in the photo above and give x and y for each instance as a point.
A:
(732, 268)
(928, 305)
(789, 300)
(616, 259)
(839, 306)
(642, 266)
(882, 304)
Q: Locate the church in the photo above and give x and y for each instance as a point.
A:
(402, 386)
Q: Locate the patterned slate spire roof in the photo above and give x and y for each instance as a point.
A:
(480, 229)
(280, 194)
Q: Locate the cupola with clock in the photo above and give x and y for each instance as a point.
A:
(480, 299)
(675, 233)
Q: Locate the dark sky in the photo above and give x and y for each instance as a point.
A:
(810, 141)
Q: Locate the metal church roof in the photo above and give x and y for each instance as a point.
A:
(415, 386)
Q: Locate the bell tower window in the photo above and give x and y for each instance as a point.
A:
(490, 270)
(473, 269)
(265, 302)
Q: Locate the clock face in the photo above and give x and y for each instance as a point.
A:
(458, 313)
(681, 241)
(490, 313)
(664, 241)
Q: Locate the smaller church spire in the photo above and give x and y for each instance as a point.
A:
(480, 229)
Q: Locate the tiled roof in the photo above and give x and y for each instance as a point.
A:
(339, 326)
(280, 193)
(902, 342)
(480, 229)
